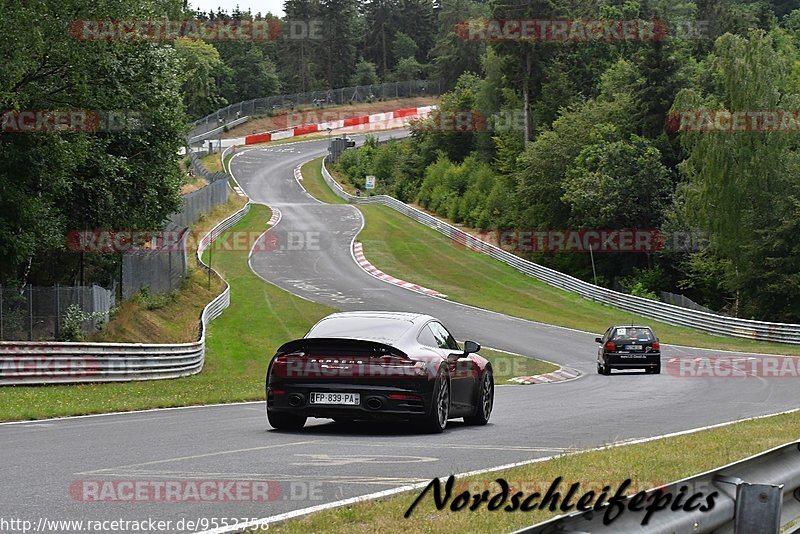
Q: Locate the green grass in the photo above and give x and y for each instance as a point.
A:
(506, 365)
(648, 465)
(212, 162)
(240, 342)
(411, 251)
(314, 184)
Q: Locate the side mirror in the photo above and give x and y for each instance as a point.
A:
(598, 340)
(471, 347)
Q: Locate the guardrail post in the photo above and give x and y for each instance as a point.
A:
(758, 506)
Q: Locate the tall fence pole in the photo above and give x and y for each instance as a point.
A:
(1, 314)
(30, 312)
(58, 310)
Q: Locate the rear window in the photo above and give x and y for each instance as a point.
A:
(372, 328)
(633, 334)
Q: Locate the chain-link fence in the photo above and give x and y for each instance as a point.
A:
(163, 268)
(38, 313)
(327, 97)
(685, 302)
(198, 203)
(159, 271)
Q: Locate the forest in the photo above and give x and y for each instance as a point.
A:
(576, 135)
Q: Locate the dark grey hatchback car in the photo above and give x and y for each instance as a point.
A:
(628, 347)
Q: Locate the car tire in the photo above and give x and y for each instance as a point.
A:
(483, 408)
(285, 421)
(436, 420)
(606, 370)
(599, 369)
(657, 369)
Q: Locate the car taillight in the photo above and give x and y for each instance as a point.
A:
(401, 396)
(656, 346)
(611, 346)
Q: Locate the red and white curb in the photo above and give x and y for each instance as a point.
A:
(358, 253)
(562, 375)
(276, 216)
(364, 120)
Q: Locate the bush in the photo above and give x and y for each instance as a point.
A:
(72, 323)
(154, 302)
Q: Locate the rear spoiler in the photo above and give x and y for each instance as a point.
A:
(309, 344)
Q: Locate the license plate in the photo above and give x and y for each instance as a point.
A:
(353, 399)
(632, 356)
(633, 347)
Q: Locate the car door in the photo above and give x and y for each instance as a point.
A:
(464, 372)
(601, 349)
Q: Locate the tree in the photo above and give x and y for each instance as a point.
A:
(366, 73)
(252, 76)
(124, 176)
(407, 69)
(527, 58)
(200, 64)
(297, 65)
(403, 47)
(452, 55)
(337, 55)
(617, 183)
(381, 20)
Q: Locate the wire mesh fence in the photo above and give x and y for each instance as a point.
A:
(37, 313)
(322, 98)
(163, 268)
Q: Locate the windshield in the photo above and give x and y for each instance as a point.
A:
(377, 329)
(633, 334)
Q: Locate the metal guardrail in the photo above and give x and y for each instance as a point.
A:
(667, 313)
(218, 130)
(200, 169)
(757, 495)
(320, 99)
(23, 362)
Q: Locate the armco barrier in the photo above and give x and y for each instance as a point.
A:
(304, 129)
(667, 313)
(61, 363)
(757, 495)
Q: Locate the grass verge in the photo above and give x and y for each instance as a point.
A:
(647, 465)
(410, 251)
(173, 317)
(507, 366)
(239, 344)
(211, 162)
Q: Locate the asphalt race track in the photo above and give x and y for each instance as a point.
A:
(326, 462)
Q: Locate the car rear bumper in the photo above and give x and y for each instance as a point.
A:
(633, 360)
(375, 401)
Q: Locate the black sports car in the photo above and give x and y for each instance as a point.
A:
(379, 365)
(628, 347)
